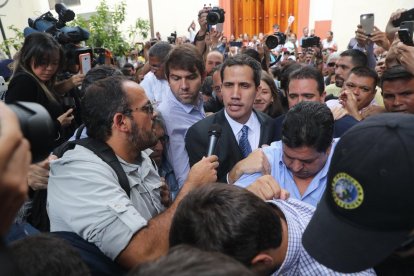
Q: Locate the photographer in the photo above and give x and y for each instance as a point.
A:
(34, 79)
(205, 37)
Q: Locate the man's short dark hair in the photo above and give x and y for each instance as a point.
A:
(160, 50)
(308, 72)
(46, 254)
(252, 53)
(102, 100)
(185, 57)
(242, 59)
(128, 65)
(397, 72)
(227, 219)
(185, 260)
(98, 73)
(309, 124)
(358, 58)
(207, 86)
(363, 71)
(285, 73)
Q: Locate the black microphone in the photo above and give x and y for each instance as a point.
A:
(214, 133)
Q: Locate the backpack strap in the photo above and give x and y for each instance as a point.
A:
(79, 131)
(103, 151)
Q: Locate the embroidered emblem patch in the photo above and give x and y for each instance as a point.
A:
(347, 192)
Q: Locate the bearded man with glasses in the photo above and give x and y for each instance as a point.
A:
(84, 193)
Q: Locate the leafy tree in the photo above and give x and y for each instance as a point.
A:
(140, 28)
(14, 42)
(104, 28)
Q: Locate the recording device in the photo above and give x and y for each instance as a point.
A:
(85, 63)
(407, 25)
(405, 37)
(406, 32)
(37, 127)
(215, 16)
(405, 16)
(57, 27)
(68, 102)
(272, 41)
(66, 36)
(214, 133)
(236, 44)
(173, 36)
(367, 23)
(311, 41)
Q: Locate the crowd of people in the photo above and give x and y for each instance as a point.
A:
(214, 159)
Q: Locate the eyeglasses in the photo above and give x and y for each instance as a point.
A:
(331, 64)
(149, 108)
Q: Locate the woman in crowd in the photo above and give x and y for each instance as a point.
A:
(34, 78)
(268, 100)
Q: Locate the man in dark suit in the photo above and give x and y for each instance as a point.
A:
(243, 129)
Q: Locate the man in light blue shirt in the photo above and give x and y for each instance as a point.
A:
(300, 161)
(182, 106)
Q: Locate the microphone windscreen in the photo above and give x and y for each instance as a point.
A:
(214, 129)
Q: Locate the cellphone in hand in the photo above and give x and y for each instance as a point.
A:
(406, 37)
(367, 23)
(85, 63)
(219, 27)
(406, 32)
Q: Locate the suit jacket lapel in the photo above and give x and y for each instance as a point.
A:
(229, 145)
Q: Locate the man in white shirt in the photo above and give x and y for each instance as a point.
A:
(155, 83)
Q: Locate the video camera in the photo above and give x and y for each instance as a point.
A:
(68, 37)
(57, 27)
(277, 38)
(171, 39)
(311, 41)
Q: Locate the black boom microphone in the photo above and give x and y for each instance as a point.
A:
(214, 133)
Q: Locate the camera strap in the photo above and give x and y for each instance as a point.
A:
(103, 151)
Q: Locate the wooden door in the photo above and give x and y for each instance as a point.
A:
(255, 16)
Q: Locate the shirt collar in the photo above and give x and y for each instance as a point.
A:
(236, 126)
(188, 107)
(130, 167)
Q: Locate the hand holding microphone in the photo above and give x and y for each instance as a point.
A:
(214, 133)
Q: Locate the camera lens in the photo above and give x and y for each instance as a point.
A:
(271, 41)
(213, 18)
(37, 127)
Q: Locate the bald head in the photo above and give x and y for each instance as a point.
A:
(213, 59)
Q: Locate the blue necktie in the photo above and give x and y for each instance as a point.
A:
(244, 142)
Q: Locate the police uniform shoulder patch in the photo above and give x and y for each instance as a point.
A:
(346, 191)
